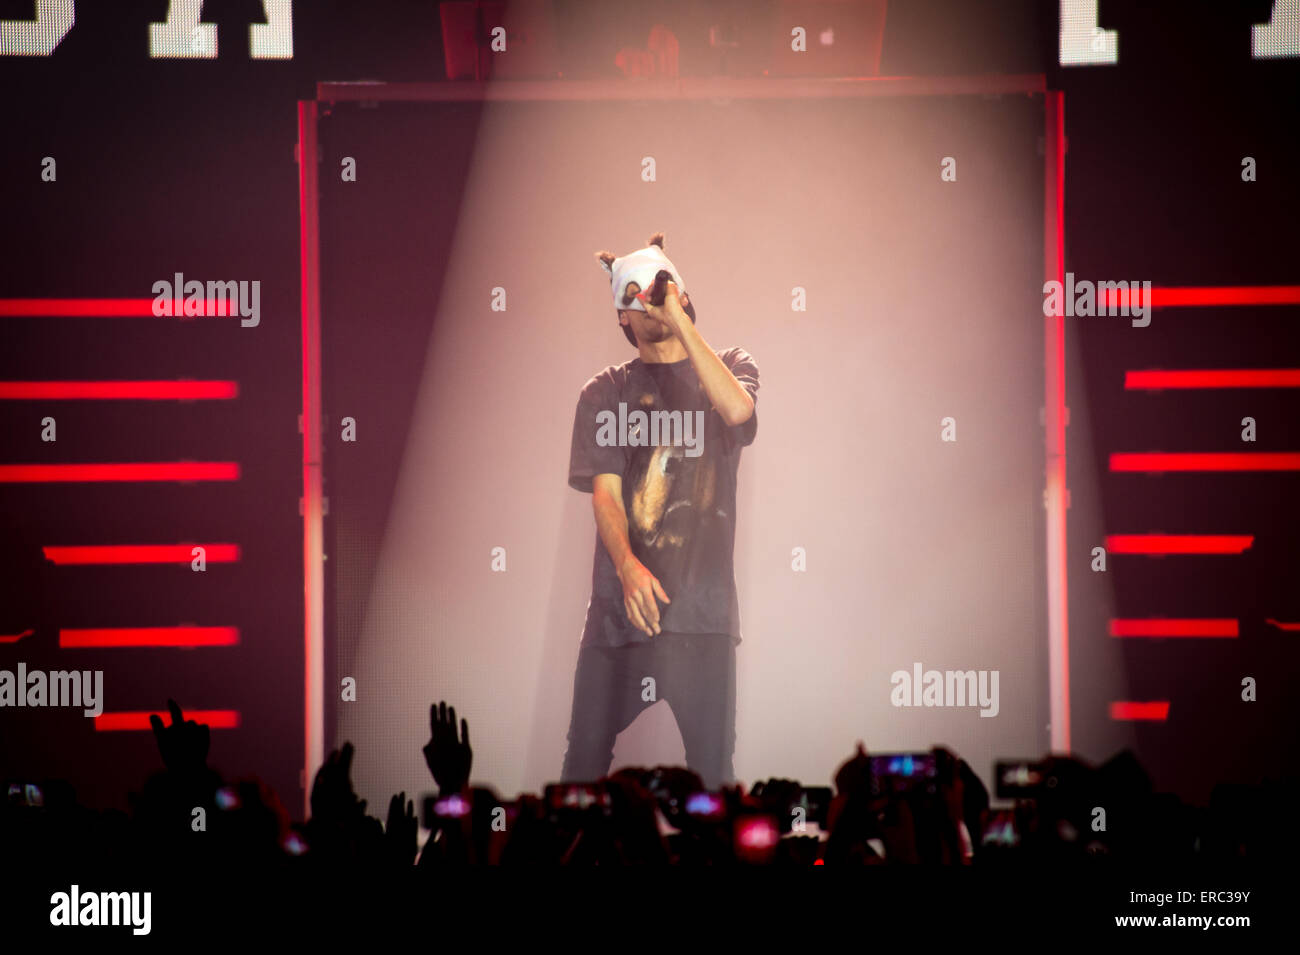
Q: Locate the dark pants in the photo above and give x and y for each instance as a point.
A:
(694, 672)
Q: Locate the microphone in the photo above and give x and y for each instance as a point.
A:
(659, 287)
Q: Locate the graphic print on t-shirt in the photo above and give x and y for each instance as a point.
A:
(677, 527)
(679, 494)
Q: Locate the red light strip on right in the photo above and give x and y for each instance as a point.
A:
(1230, 461)
(160, 471)
(1175, 627)
(129, 390)
(1158, 711)
(1178, 543)
(1276, 623)
(141, 554)
(1155, 380)
(1202, 295)
(150, 637)
(139, 720)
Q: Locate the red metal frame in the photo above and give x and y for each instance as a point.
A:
(1056, 495)
(682, 88)
(312, 502)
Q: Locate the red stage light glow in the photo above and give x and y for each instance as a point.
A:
(1178, 543)
(128, 471)
(1156, 711)
(178, 390)
(141, 554)
(1155, 380)
(1228, 461)
(150, 637)
(139, 720)
(1175, 627)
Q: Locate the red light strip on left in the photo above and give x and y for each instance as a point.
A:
(108, 308)
(119, 390)
(1230, 461)
(141, 554)
(160, 471)
(150, 637)
(15, 637)
(1157, 711)
(139, 720)
(1175, 627)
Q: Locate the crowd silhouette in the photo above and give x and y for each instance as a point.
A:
(878, 812)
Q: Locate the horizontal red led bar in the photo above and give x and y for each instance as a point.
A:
(1204, 295)
(107, 308)
(1214, 378)
(160, 471)
(1230, 461)
(94, 390)
(150, 637)
(139, 720)
(141, 554)
(1175, 627)
(1140, 711)
(15, 637)
(1178, 543)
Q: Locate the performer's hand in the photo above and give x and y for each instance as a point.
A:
(670, 312)
(640, 588)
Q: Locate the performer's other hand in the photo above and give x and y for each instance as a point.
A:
(640, 588)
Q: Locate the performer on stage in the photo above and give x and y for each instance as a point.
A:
(657, 442)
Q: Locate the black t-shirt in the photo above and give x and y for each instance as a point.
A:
(678, 460)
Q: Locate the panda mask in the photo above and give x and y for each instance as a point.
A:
(640, 267)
